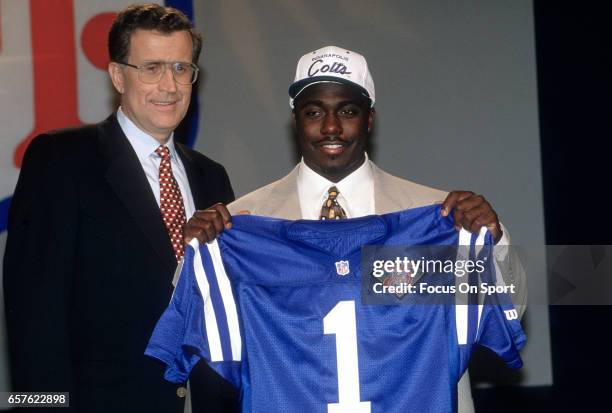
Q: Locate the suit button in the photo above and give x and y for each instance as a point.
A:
(181, 392)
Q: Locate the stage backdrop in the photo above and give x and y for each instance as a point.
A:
(456, 97)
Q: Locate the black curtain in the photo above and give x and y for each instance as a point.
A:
(574, 50)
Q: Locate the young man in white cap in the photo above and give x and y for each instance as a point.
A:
(333, 100)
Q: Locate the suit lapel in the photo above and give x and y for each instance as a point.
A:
(196, 183)
(283, 201)
(387, 196)
(126, 177)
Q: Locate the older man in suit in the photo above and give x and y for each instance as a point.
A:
(333, 100)
(95, 231)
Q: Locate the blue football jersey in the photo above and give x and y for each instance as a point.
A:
(275, 307)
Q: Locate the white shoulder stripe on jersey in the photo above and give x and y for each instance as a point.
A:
(461, 310)
(480, 239)
(479, 244)
(210, 320)
(465, 237)
(461, 321)
(228, 301)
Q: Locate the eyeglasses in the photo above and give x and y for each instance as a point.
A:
(183, 73)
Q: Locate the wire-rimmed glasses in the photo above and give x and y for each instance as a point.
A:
(184, 73)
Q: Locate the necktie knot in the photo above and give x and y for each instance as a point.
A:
(333, 193)
(163, 152)
(331, 209)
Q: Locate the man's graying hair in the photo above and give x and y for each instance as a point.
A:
(148, 16)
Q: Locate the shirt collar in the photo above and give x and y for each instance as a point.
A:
(356, 189)
(144, 144)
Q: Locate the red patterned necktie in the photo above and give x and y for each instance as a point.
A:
(171, 202)
(331, 209)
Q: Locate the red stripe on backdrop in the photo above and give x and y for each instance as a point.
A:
(54, 69)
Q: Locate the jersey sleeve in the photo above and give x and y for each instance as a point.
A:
(201, 320)
(500, 329)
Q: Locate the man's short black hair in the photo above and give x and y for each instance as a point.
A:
(148, 17)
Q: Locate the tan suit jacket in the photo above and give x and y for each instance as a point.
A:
(280, 200)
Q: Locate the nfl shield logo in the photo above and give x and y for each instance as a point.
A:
(342, 267)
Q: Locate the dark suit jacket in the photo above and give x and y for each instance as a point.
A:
(88, 269)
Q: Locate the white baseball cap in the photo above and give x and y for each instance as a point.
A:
(332, 64)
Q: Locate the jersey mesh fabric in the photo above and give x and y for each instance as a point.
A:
(253, 306)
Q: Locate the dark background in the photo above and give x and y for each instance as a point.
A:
(573, 60)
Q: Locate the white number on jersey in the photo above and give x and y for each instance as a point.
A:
(341, 321)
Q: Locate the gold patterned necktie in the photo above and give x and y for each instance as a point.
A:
(331, 209)
(171, 202)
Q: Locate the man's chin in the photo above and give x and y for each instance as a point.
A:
(336, 172)
(168, 125)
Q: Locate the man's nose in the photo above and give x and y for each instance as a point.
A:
(331, 125)
(167, 82)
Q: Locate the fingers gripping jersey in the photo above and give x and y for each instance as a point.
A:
(274, 307)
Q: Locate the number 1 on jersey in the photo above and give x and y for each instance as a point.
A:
(341, 321)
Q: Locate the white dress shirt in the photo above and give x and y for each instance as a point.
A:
(145, 145)
(356, 191)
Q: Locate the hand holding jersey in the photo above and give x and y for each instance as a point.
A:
(472, 212)
(207, 224)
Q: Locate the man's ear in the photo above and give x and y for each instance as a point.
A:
(117, 76)
(371, 117)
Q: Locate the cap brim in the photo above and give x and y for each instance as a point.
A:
(298, 87)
